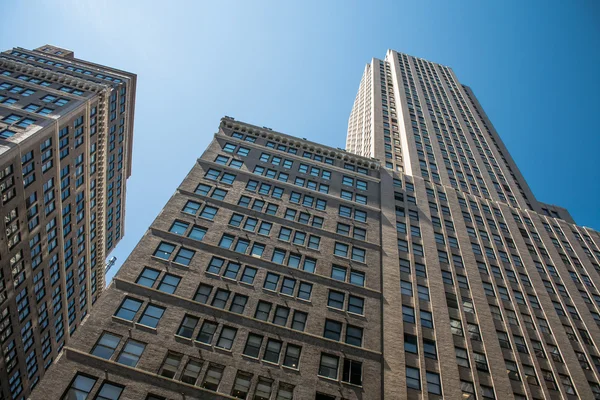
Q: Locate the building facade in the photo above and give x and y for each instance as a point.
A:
(65, 155)
(417, 265)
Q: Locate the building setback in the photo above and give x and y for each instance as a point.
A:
(65, 155)
(418, 265)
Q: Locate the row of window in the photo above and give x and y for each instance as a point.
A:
(220, 297)
(313, 171)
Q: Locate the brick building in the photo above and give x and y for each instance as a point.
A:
(65, 155)
(417, 265)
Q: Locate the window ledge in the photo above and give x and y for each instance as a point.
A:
(123, 320)
(146, 328)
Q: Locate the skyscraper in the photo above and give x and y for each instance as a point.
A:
(416, 265)
(65, 154)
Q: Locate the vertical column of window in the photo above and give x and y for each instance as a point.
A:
(520, 343)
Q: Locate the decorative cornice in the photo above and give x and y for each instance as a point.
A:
(298, 143)
(54, 76)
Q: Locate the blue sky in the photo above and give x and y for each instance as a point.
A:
(295, 68)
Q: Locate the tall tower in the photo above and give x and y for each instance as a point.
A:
(66, 130)
(516, 280)
(418, 265)
(416, 116)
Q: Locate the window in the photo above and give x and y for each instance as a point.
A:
(272, 351)
(212, 174)
(281, 315)
(285, 392)
(170, 365)
(474, 333)
(248, 275)
(238, 304)
(358, 254)
(402, 245)
(207, 332)
(131, 353)
(595, 389)
(328, 366)
(408, 314)
(219, 194)
(413, 379)
(333, 330)
(106, 345)
(209, 212)
(228, 178)
(263, 309)
(179, 227)
(215, 265)
(354, 335)
(271, 281)
(288, 286)
(360, 215)
(429, 349)
(128, 309)
(232, 270)
(187, 327)
(169, 283)
(513, 371)
(567, 384)
(314, 242)
(468, 390)
(191, 371)
(433, 383)
(356, 305)
(184, 256)
(530, 375)
(462, 357)
(480, 361)
(426, 319)
(265, 228)
(191, 207)
(447, 278)
(221, 298)
(338, 273)
(203, 293)
(406, 288)
(299, 320)
(241, 385)
(352, 372)
(304, 290)
(341, 249)
(549, 379)
(151, 316)
(203, 189)
(253, 345)
(336, 300)
(213, 376)
(285, 234)
(309, 265)
(520, 344)
(345, 211)
(488, 392)
(357, 278)
(226, 338)
(109, 391)
(456, 327)
(415, 231)
(148, 277)
(264, 388)
(164, 250)
(197, 233)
